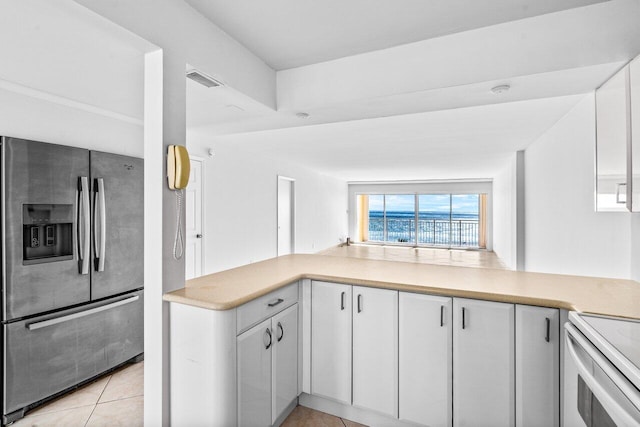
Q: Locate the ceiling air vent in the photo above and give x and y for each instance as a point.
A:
(203, 79)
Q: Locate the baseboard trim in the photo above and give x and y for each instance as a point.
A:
(359, 415)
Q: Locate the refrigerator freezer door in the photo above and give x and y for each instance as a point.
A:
(39, 174)
(118, 218)
(48, 354)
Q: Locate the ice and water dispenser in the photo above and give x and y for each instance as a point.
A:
(47, 233)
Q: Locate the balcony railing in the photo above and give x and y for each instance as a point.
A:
(431, 232)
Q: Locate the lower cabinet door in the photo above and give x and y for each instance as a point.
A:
(425, 359)
(331, 341)
(483, 363)
(537, 366)
(254, 375)
(375, 349)
(285, 360)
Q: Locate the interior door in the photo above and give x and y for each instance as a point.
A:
(193, 222)
(118, 212)
(286, 216)
(46, 175)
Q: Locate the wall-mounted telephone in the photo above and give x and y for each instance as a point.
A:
(178, 171)
(178, 167)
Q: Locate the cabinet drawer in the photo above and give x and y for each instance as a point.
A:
(265, 306)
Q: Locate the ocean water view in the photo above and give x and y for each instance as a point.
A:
(433, 228)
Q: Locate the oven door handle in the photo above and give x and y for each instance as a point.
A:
(620, 415)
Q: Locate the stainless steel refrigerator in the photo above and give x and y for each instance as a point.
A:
(72, 268)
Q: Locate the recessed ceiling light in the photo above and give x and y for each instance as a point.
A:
(302, 115)
(500, 89)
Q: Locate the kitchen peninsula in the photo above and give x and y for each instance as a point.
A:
(350, 336)
(231, 288)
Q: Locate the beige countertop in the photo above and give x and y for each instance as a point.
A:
(231, 288)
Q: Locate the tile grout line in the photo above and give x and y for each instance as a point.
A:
(98, 400)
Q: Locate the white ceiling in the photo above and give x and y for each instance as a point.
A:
(422, 110)
(293, 33)
(461, 143)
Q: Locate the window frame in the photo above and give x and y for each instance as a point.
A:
(417, 189)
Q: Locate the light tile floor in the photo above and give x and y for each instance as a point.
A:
(113, 400)
(117, 400)
(305, 417)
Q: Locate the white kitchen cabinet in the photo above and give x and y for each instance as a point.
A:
(425, 359)
(612, 141)
(268, 369)
(483, 363)
(537, 366)
(285, 360)
(331, 341)
(254, 375)
(375, 349)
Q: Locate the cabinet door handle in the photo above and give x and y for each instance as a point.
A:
(267, 333)
(281, 332)
(276, 302)
(359, 303)
(464, 312)
(441, 315)
(548, 322)
(344, 294)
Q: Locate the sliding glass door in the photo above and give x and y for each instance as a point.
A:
(435, 220)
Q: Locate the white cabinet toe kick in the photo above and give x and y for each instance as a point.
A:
(371, 355)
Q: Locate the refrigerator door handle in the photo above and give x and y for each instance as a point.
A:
(84, 238)
(99, 243)
(56, 320)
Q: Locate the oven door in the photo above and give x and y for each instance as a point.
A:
(596, 393)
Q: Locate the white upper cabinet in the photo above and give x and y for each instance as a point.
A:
(634, 84)
(537, 366)
(612, 141)
(331, 341)
(618, 141)
(375, 349)
(483, 363)
(425, 352)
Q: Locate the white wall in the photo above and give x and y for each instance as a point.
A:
(240, 215)
(504, 214)
(26, 117)
(563, 232)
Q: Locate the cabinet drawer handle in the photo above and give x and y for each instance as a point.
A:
(359, 303)
(548, 321)
(344, 294)
(281, 332)
(267, 333)
(441, 315)
(464, 311)
(276, 302)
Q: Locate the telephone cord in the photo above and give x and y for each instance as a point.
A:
(178, 244)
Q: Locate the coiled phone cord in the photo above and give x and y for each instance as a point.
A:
(178, 244)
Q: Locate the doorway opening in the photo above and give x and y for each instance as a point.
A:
(286, 215)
